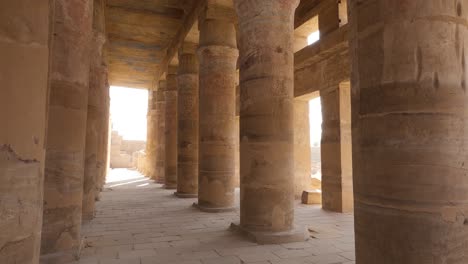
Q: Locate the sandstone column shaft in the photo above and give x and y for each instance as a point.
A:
(337, 187)
(150, 167)
(302, 150)
(187, 107)
(66, 132)
(410, 112)
(104, 144)
(160, 132)
(96, 104)
(267, 115)
(171, 129)
(24, 53)
(218, 56)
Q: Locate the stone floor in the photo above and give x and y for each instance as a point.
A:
(138, 222)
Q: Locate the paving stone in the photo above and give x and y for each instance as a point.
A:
(151, 226)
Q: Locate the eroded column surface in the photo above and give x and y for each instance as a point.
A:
(160, 132)
(104, 144)
(187, 138)
(337, 186)
(218, 56)
(302, 150)
(24, 63)
(150, 166)
(267, 120)
(170, 95)
(410, 112)
(66, 131)
(96, 101)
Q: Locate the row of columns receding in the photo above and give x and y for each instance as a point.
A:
(409, 112)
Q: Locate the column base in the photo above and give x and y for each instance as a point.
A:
(58, 258)
(159, 181)
(295, 235)
(185, 195)
(214, 210)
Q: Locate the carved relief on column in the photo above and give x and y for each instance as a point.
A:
(266, 30)
(159, 132)
(218, 59)
(187, 162)
(170, 95)
(66, 131)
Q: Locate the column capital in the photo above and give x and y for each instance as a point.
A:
(250, 9)
(188, 63)
(219, 10)
(171, 70)
(171, 83)
(162, 86)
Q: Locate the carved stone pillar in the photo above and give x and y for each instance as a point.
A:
(160, 132)
(267, 120)
(150, 166)
(96, 104)
(410, 129)
(66, 131)
(218, 58)
(24, 59)
(187, 161)
(171, 129)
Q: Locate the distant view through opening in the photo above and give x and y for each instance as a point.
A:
(129, 108)
(315, 118)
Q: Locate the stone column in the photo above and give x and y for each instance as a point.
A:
(159, 132)
(336, 156)
(104, 144)
(150, 166)
(96, 104)
(410, 112)
(66, 131)
(267, 120)
(24, 52)
(218, 57)
(187, 107)
(171, 129)
(302, 149)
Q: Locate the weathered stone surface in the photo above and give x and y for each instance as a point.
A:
(160, 132)
(187, 107)
(337, 176)
(170, 95)
(103, 157)
(410, 131)
(311, 197)
(66, 131)
(267, 119)
(302, 150)
(322, 65)
(218, 56)
(96, 104)
(24, 52)
(150, 166)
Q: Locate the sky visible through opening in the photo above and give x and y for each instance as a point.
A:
(128, 112)
(314, 37)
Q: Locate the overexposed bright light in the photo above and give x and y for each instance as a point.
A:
(128, 112)
(314, 37)
(315, 117)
